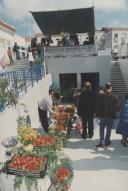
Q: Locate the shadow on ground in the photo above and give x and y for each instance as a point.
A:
(113, 157)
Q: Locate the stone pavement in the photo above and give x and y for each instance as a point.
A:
(102, 169)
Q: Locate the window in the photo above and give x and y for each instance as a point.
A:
(123, 38)
(115, 39)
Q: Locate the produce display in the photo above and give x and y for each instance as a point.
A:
(27, 163)
(27, 134)
(44, 141)
(62, 174)
(36, 153)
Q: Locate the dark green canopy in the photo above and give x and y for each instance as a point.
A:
(70, 21)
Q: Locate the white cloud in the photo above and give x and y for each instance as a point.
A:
(117, 23)
(111, 5)
(15, 9)
(18, 9)
(34, 29)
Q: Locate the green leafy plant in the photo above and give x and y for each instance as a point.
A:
(30, 183)
(37, 61)
(17, 182)
(7, 96)
(3, 90)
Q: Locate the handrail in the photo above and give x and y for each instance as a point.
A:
(19, 80)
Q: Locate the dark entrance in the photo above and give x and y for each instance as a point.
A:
(91, 77)
(67, 83)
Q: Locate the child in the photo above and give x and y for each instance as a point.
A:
(30, 56)
(123, 123)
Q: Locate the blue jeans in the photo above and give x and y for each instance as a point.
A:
(105, 122)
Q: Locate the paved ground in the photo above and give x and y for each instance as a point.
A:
(94, 169)
(98, 169)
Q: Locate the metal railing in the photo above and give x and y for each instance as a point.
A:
(19, 80)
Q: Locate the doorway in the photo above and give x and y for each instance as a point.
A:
(90, 77)
(68, 82)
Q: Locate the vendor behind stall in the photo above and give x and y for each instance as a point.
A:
(45, 110)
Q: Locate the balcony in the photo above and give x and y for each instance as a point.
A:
(74, 51)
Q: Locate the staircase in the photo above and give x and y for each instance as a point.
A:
(118, 84)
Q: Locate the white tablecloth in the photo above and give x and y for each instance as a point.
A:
(6, 183)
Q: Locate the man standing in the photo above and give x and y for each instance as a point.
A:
(107, 108)
(85, 110)
(45, 110)
(16, 51)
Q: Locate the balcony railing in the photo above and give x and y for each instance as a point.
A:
(19, 80)
(63, 51)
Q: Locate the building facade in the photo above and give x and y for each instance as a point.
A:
(8, 37)
(115, 39)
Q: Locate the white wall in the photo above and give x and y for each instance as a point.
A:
(8, 118)
(121, 34)
(99, 64)
(6, 39)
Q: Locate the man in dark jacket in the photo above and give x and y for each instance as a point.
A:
(85, 110)
(107, 108)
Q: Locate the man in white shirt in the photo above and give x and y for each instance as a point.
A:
(45, 110)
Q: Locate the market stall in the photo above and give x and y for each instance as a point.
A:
(33, 160)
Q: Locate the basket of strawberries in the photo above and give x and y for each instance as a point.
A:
(23, 165)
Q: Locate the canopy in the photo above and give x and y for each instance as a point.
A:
(70, 21)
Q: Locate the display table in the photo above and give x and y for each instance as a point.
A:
(7, 180)
(33, 160)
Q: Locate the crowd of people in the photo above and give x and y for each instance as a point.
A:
(103, 105)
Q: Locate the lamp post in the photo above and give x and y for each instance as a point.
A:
(29, 20)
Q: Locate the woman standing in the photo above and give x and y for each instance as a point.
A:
(123, 123)
(10, 55)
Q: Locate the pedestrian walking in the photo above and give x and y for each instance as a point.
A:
(108, 108)
(85, 110)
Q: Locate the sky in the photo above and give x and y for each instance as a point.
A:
(108, 13)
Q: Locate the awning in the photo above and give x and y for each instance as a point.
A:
(70, 21)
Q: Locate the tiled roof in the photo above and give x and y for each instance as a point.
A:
(7, 26)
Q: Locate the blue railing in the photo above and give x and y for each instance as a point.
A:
(19, 80)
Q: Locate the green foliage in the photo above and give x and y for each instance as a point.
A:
(6, 95)
(37, 61)
(17, 182)
(3, 90)
(30, 183)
